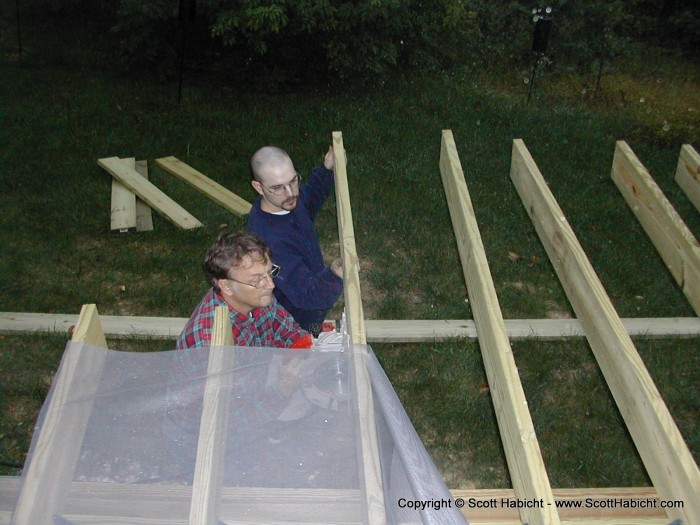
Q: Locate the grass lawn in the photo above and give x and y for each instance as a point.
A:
(59, 114)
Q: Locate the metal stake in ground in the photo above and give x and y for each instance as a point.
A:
(540, 39)
(186, 14)
(19, 37)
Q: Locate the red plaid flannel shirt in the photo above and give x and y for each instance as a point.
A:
(267, 326)
(270, 326)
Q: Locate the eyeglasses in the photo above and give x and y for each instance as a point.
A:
(267, 278)
(280, 188)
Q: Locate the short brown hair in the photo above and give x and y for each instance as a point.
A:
(228, 251)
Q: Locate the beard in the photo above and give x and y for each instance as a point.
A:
(290, 203)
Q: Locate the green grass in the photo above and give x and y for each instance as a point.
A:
(59, 113)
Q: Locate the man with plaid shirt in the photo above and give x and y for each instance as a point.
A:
(241, 274)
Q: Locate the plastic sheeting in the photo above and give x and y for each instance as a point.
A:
(130, 437)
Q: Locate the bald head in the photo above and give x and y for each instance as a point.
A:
(269, 158)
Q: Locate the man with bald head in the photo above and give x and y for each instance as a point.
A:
(283, 216)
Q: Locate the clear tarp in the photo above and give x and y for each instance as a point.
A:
(262, 435)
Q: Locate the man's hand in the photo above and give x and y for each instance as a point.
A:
(289, 375)
(337, 267)
(329, 160)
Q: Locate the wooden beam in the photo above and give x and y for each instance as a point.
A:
(674, 241)
(420, 331)
(688, 174)
(354, 317)
(144, 219)
(169, 503)
(88, 328)
(151, 195)
(164, 501)
(123, 206)
(53, 456)
(525, 464)
(348, 251)
(212, 189)
(213, 428)
(378, 331)
(660, 445)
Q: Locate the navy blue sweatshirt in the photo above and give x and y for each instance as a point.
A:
(305, 286)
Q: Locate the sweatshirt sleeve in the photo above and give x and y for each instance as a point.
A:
(317, 190)
(306, 289)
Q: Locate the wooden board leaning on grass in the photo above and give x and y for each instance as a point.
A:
(660, 444)
(50, 471)
(673, 240)
(123, 204)
(144, 218)
(688, 174)
(212, 189)
(522, 450)
(151, 195)
(128, 211)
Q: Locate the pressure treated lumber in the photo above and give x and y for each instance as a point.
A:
(239, 505)
(151, 195)
(212, 189)
(144, 218)
(128, 211)
(211, 447)
(666, 457)
(688, 174)
(48, 475)
(88, 328)
(123, 206)
(673, 240)
(348, 252)
(354, 317)
(420, 331)
(158, 501)
(95, 502)
(522, 450)
(379, 331)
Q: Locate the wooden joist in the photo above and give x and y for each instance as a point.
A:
(422, 331)
(88, 328)
(122, 503)
(150, 194)
(163, 501)
(673, 240)
(525, 464)
(378, 331)
(212, 189)
(367, 432)
(688, 174)
(660, 445)
(52, 461)
(213, 426)
(348, 251)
